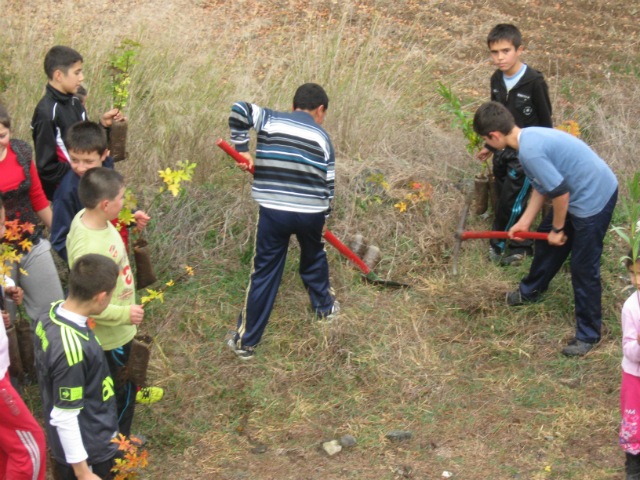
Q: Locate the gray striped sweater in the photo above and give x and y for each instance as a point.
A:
(294, 161)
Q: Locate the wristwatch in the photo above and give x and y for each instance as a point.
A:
(556, 230)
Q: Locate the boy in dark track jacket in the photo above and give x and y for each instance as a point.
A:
(525, 94)
(58, 110)
(77, 389)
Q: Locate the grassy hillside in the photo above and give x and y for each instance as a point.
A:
(482, 387)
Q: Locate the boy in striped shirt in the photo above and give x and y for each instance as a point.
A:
(293, 185)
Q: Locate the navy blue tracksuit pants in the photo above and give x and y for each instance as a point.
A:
(275, 227)
(584, 242)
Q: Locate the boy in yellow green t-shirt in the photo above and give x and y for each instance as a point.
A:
(101, 191)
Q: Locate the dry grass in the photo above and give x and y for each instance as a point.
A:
(482, 387)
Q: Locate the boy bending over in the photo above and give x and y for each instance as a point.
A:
(293, 184)
(583, 190)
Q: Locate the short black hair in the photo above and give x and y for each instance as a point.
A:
(505, 31)
(86, 137)
(5, 119)
(60, 58)
(309, 97)
(493, 117)
(92, 274)
(98, 184)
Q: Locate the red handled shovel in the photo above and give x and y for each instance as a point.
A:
(367, 274)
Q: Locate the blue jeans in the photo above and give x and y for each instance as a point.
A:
(584, 241)
(275, 227)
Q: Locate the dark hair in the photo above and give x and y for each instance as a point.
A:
(493, 117)
(92, 274)
(505, 31)
(81, 91)
(309, 97)
(86, 137)
(98, 184)
(628, 261)
(60, 58)
(5, 119)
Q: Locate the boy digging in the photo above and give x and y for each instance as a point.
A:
(58, 110)
(583, 190)
(293, 184)
(101, 191)
(87, 148)
(525, 94)
(75, 383)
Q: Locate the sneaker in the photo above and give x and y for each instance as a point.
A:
(514, 299)
(245, 353)
(149, 395)
(331, 316)
(576, 348)
(494, 256)
(514, 257)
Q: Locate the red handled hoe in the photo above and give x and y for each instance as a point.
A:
(367, 273)
(462, 235)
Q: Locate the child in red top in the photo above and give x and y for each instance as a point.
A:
(25, 201)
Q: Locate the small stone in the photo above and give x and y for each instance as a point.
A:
(447, 474)
(332, 447)
(404, 471)
(398, 436)
(347, 441)
(260, 449)
(570, 382)
(548, 438)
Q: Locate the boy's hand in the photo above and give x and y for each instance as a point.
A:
(141, 219)
(16, 294)
(484, 154)
(518, 227)
(6, 319)
(243, 167)
(136, 314)
(111, 116)
(557, 239)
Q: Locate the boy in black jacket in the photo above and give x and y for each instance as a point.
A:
(525, 94)
(58, 110)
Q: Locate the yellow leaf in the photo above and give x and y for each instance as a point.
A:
(174, 189)
(401, 206)
(24, 272)
(189, 270)
(170, 283)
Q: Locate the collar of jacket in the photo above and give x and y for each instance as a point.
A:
(58, 96)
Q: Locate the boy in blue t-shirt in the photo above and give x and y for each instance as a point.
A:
(584, 192)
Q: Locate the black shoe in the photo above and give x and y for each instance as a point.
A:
(494, 256)
(516, 256)
(514, 299)
(577, 348)
(632, 466)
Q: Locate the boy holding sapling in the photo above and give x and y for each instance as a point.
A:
(525, 94)
(58, 110)
(87, 148)
(630, 389)
(76, 386)
(101, 191)
(583, 190)
(293, 184)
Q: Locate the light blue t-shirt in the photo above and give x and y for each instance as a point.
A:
(510, 82)
(557, 162)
